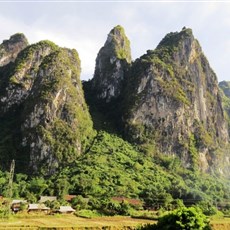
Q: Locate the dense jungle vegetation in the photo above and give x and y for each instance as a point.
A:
(112, 167)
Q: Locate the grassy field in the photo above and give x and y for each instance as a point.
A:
(71, 222)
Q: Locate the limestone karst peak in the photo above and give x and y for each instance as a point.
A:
(173, 101)
(18, 37)
(42, 97)
(10, 48)
(111, 64)
(119, 44)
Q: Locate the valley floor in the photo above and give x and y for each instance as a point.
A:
(70, 222)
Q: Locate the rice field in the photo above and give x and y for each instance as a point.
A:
(221, 224)
(71, 222)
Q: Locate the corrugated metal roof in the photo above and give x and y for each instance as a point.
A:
(47, 198)
(69, 197)
(66, 209)
(37, 207)
(18, 201)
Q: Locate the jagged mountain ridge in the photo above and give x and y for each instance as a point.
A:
(166, 102)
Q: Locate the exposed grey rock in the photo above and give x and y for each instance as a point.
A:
(24, 73)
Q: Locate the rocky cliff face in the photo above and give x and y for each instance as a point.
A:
(174, 104)
(112, 62)
(44, 119)
(9, 49)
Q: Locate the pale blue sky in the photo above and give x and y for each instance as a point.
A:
(85, 25)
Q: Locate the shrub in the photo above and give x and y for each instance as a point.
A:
(184, 218)
(207, 208)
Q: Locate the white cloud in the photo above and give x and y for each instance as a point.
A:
(84, 26)
(10, 27)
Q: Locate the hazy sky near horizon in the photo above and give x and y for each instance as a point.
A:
(85, 26)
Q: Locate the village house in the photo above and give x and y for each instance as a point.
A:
(43, 199)
(68, 197)
(38, 208)
(130, 201)
(66, 210)
(17, 204)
